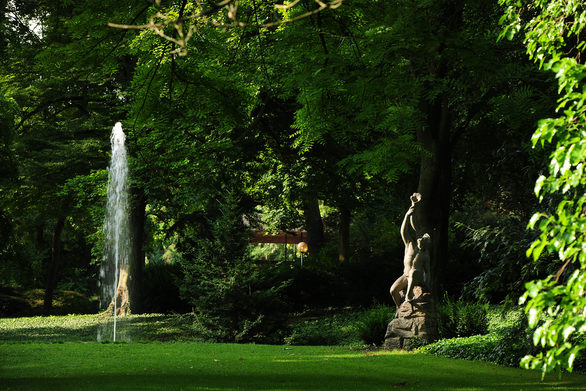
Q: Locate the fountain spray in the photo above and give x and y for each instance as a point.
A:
(116, 232)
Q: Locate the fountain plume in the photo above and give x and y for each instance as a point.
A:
(114, 296)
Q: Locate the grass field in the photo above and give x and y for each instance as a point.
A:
(75, 328)
(199, 366)
(61, 353)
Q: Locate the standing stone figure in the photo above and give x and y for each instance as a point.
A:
(416, 315)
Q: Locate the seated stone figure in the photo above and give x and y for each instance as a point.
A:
(416, 317)
(415, 260)
(419, 272)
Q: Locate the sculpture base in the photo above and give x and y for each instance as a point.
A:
(416, 320)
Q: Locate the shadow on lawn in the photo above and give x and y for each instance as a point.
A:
(193, 366)
(278, 381)
(51, 334)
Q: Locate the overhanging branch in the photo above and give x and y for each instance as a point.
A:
(185, 26)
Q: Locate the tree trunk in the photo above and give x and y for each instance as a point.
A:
(136, 257)
(313, 224)
(128, 292)
(39, 282)
(435, 186)
(51, 281)
(121, 301)
(344, 233)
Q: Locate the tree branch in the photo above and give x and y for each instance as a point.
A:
(149, 85)
(160, 21)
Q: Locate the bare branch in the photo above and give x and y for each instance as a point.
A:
(286, 6)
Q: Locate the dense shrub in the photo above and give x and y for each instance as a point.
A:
(232, 296)
(503, 316)
(64, 302)
(313, 333)
(334, 329)
(160, 291)
(504, 348)
(368, 277)
(373, 324)
(461, 319)
(477, 347)
(12, 302)
(514, 343)
(364, 277)
(313, 287)
(509, 341)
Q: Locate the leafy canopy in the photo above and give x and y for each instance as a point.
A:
(556, 305)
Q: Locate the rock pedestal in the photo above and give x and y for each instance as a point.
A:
(416, 319)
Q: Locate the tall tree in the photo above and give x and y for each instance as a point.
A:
(69, 96)
(401, 81)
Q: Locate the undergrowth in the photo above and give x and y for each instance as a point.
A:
(507, 341)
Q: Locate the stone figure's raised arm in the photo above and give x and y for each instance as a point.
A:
(415, 198)
(406, 234)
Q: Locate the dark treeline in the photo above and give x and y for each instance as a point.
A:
(328, 124)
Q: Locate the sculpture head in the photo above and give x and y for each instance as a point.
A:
(424, 242)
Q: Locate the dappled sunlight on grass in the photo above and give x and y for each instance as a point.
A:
(139, 328)
(77, 361)
(198, 366)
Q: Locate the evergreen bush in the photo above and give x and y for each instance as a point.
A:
(236, 298)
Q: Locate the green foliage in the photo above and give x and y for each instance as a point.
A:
(8, 113)
(477, 347)
(16, 303)
(500, 251)
(506, 344)
(314, 333)
(555, 307)
(363, 328)
(373, 324)
(236, 298)
(515, 342)
(461, 319)
(332, 329)
(160, 289)
(88, 198)
(12, 302)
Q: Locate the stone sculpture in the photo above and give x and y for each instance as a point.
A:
(416, 314)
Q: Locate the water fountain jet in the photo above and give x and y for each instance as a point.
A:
(114, 295)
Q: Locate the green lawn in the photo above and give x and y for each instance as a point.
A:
(74, 328)
(199, 366)
(61, 353)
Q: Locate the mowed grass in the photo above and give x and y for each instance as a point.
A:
(74, 328)
(61, 353)
(203, 366)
